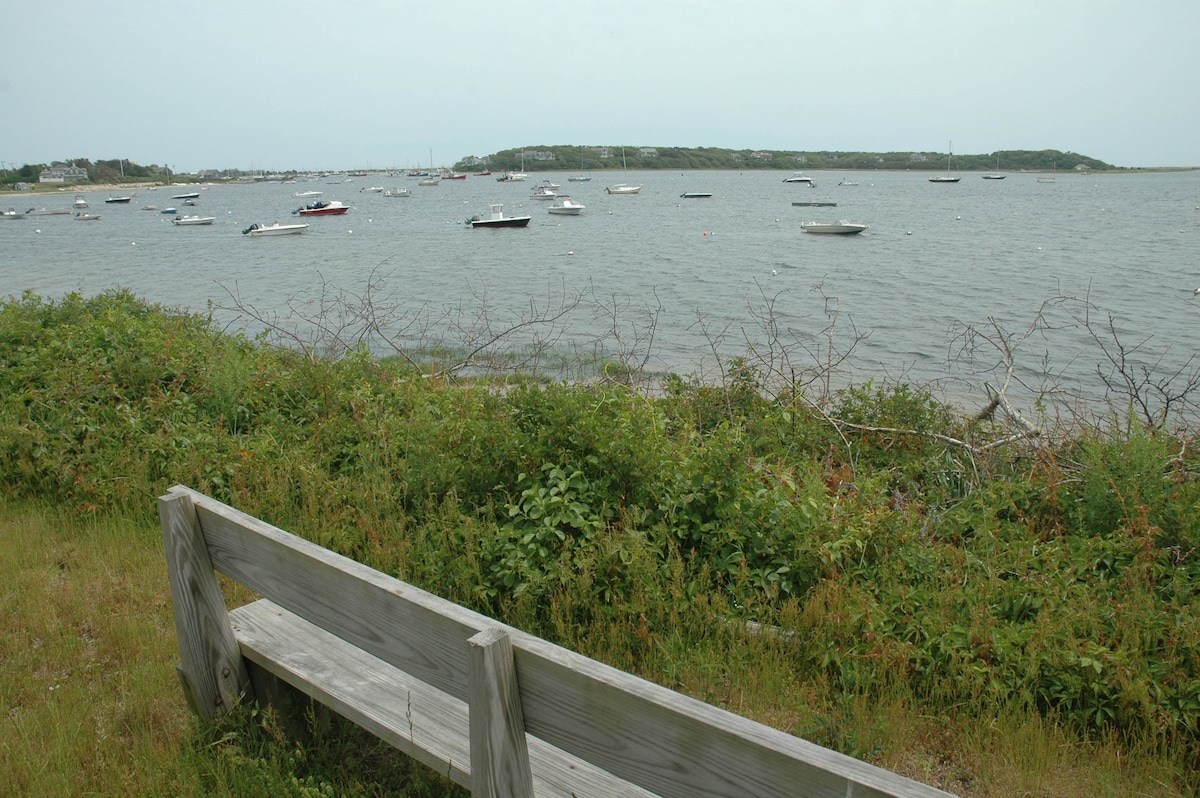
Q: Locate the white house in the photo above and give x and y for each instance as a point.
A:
(63, 174)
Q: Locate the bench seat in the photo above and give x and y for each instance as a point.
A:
(422, 721)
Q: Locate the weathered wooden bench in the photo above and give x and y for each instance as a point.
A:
(497, 710)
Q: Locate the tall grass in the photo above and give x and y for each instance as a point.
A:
(1021, 623)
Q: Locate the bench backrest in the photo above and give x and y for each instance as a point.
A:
(643, 733)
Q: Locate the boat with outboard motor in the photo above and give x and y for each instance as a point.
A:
(331, 208)
(275, 229)
(495, 218)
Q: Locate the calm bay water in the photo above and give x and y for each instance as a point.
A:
(936, 257)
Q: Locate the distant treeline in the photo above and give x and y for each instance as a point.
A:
(575, 158)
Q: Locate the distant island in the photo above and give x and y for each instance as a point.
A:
(574, 158)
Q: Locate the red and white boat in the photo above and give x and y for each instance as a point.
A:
(331, 208)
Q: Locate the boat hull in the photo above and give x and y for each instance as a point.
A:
(623, 189)
(512, 221)
(838, 228)
(275, 229)
(185, 221)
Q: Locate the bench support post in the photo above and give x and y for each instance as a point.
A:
(499, 752)
(212, 671)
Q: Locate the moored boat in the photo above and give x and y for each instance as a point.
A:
(48, 212)
(86, 217)
(947, 178)
(275, 229)
(543, 193)
(118, 200)
(799, 177)
(495, 218)
(815, 204)
(565, 206)
(189, 195)
(11, 213)
(695, 194)
(79, 202)
(837, 228)
(193, 220)
(331, 208)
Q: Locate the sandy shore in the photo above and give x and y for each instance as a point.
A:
(125, 189)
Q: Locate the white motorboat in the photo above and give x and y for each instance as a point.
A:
(565, 206)
(371, 190)
(839, 228)
(307, 194)
(495, 218)
(275, 229)
(86, 217)
(402, 191)
(11, 213)
(79, 202)
(190, 220)
(48, 212)
(543, 193)
(799, 177)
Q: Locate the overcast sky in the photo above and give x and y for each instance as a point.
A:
(263, 84)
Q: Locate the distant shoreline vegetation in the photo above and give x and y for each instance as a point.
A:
(575, 158)
(596, 158)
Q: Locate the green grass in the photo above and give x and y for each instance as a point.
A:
(1025, 622)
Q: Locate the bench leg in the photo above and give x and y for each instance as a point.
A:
(499, 753)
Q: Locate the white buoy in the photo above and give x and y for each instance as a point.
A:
(570, 252)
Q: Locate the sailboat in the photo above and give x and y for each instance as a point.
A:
(510, 176)
(581, 177)
(623, 188)
(1049, 179)
(996, 174)
(946, 178)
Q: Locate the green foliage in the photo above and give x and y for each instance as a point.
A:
(599, 158)
(1061, 582)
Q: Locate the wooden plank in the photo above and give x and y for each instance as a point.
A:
(676, 746)
(405, 626)
(642, 733)
(211, 670)
(420, 720)
(499, 755)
